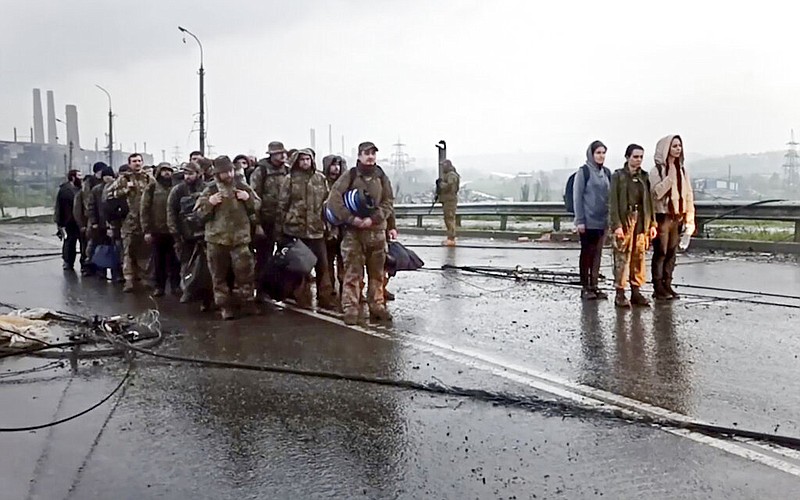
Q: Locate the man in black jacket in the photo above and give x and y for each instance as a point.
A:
(68, 230)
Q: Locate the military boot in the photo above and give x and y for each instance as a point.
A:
(671, 291)
(380, 313)
(351, 317)
(637, 298)
(601, 295)
(659, 292)
(588, 294)
(621, 300)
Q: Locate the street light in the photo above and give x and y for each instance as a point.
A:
(202, 95)
(110, 128)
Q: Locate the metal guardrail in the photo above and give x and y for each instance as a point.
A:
(785, 211)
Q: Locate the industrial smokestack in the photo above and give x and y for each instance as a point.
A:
(72, 126)
(52, 133)
(38, 119)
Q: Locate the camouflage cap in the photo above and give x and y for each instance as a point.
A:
(204, 163)
(275, 147)
(222, 164)
(366, 146)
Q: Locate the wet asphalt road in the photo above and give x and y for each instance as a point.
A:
(183, 431)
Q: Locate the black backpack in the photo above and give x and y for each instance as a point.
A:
(192, 225)
(569, 200)
(116, 209)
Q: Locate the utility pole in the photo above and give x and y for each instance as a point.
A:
(202, 91)
(110, 129)
(342, 145)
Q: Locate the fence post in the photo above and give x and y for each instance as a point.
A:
(797, 231)
(458, 221)
(556, 223)
(701, 228)
(503, 222)
(419, 221)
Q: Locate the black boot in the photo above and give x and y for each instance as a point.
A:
(659, 292)
(637, 298)
(621, 300)
(671, 291)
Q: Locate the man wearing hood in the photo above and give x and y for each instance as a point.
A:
(673, 200)
(130, 186)
(448, 187)
(82, 215)
(332, 168)
(229, 208)
(590, 199)
(301, 201)
(364, 238)
(266, 181)
(68, 229)
(99, 228)
(240, 165)
(182, 235)
(156, 231)
(633, 221)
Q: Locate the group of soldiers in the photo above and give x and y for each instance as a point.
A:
(235, 213)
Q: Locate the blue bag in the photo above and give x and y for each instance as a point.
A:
(106, 257)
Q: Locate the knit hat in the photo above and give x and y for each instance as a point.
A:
(222, 164)
(98, 167)
(192, 167)
(107, 171)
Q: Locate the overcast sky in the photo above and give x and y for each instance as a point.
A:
(545, 77)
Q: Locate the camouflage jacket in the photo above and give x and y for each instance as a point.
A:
(449, 186)
(228, 223)
(375, 182)
(266, 182)
(95, 212)
(79, 209)
(301, 199)
(131, 187)
(153, 214)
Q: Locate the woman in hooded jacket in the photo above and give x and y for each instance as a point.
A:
(673, 201)
(590, 199)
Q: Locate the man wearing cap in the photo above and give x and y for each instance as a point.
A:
(300, 204)
(184, 238)
(130, 186)
(364, 238)
(153, 215)
(229, 208)
(266, 181)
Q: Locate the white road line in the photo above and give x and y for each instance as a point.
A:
(578, 393)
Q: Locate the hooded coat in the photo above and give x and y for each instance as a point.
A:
(590, 196)
(228, 223)
(266, 182)
(301, 199)
(153, 212)
(668, 198)
(450, 184)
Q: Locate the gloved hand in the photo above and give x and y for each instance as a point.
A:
(60, 233)
(439, 185)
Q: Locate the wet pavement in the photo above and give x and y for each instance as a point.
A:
(186, 431)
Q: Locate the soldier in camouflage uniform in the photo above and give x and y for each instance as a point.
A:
(131, 185)
(266, 181)
(229, 208)
(332, 168)
(102, 233)
(448, 187)
(192, 185)
(301, 199)
(633, 221)
(153, 216)
(364, 239)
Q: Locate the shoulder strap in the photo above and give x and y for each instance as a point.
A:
(352, 173)
(586, 174)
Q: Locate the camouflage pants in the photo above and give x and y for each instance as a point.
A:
(135, 257)
(629, 260)
(223, 258)
(449, 209)
(363, 248)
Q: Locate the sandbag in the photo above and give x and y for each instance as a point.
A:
(196, 282)
(106, 257)
(400, 258)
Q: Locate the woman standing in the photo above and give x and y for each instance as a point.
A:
(673, 200)
(590, 199)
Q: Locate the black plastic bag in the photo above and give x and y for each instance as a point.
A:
(197, 282)
(400, 258)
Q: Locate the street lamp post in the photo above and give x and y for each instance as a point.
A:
(202, 92)
(110, 129)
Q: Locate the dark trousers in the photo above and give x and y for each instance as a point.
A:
(333, 248)
(324, 288)
(665, 248)
(591, 254)
(68, 246)
(165, 262)
(264, 247)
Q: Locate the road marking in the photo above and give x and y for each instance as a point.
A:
(770, 455)
(40, 239)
